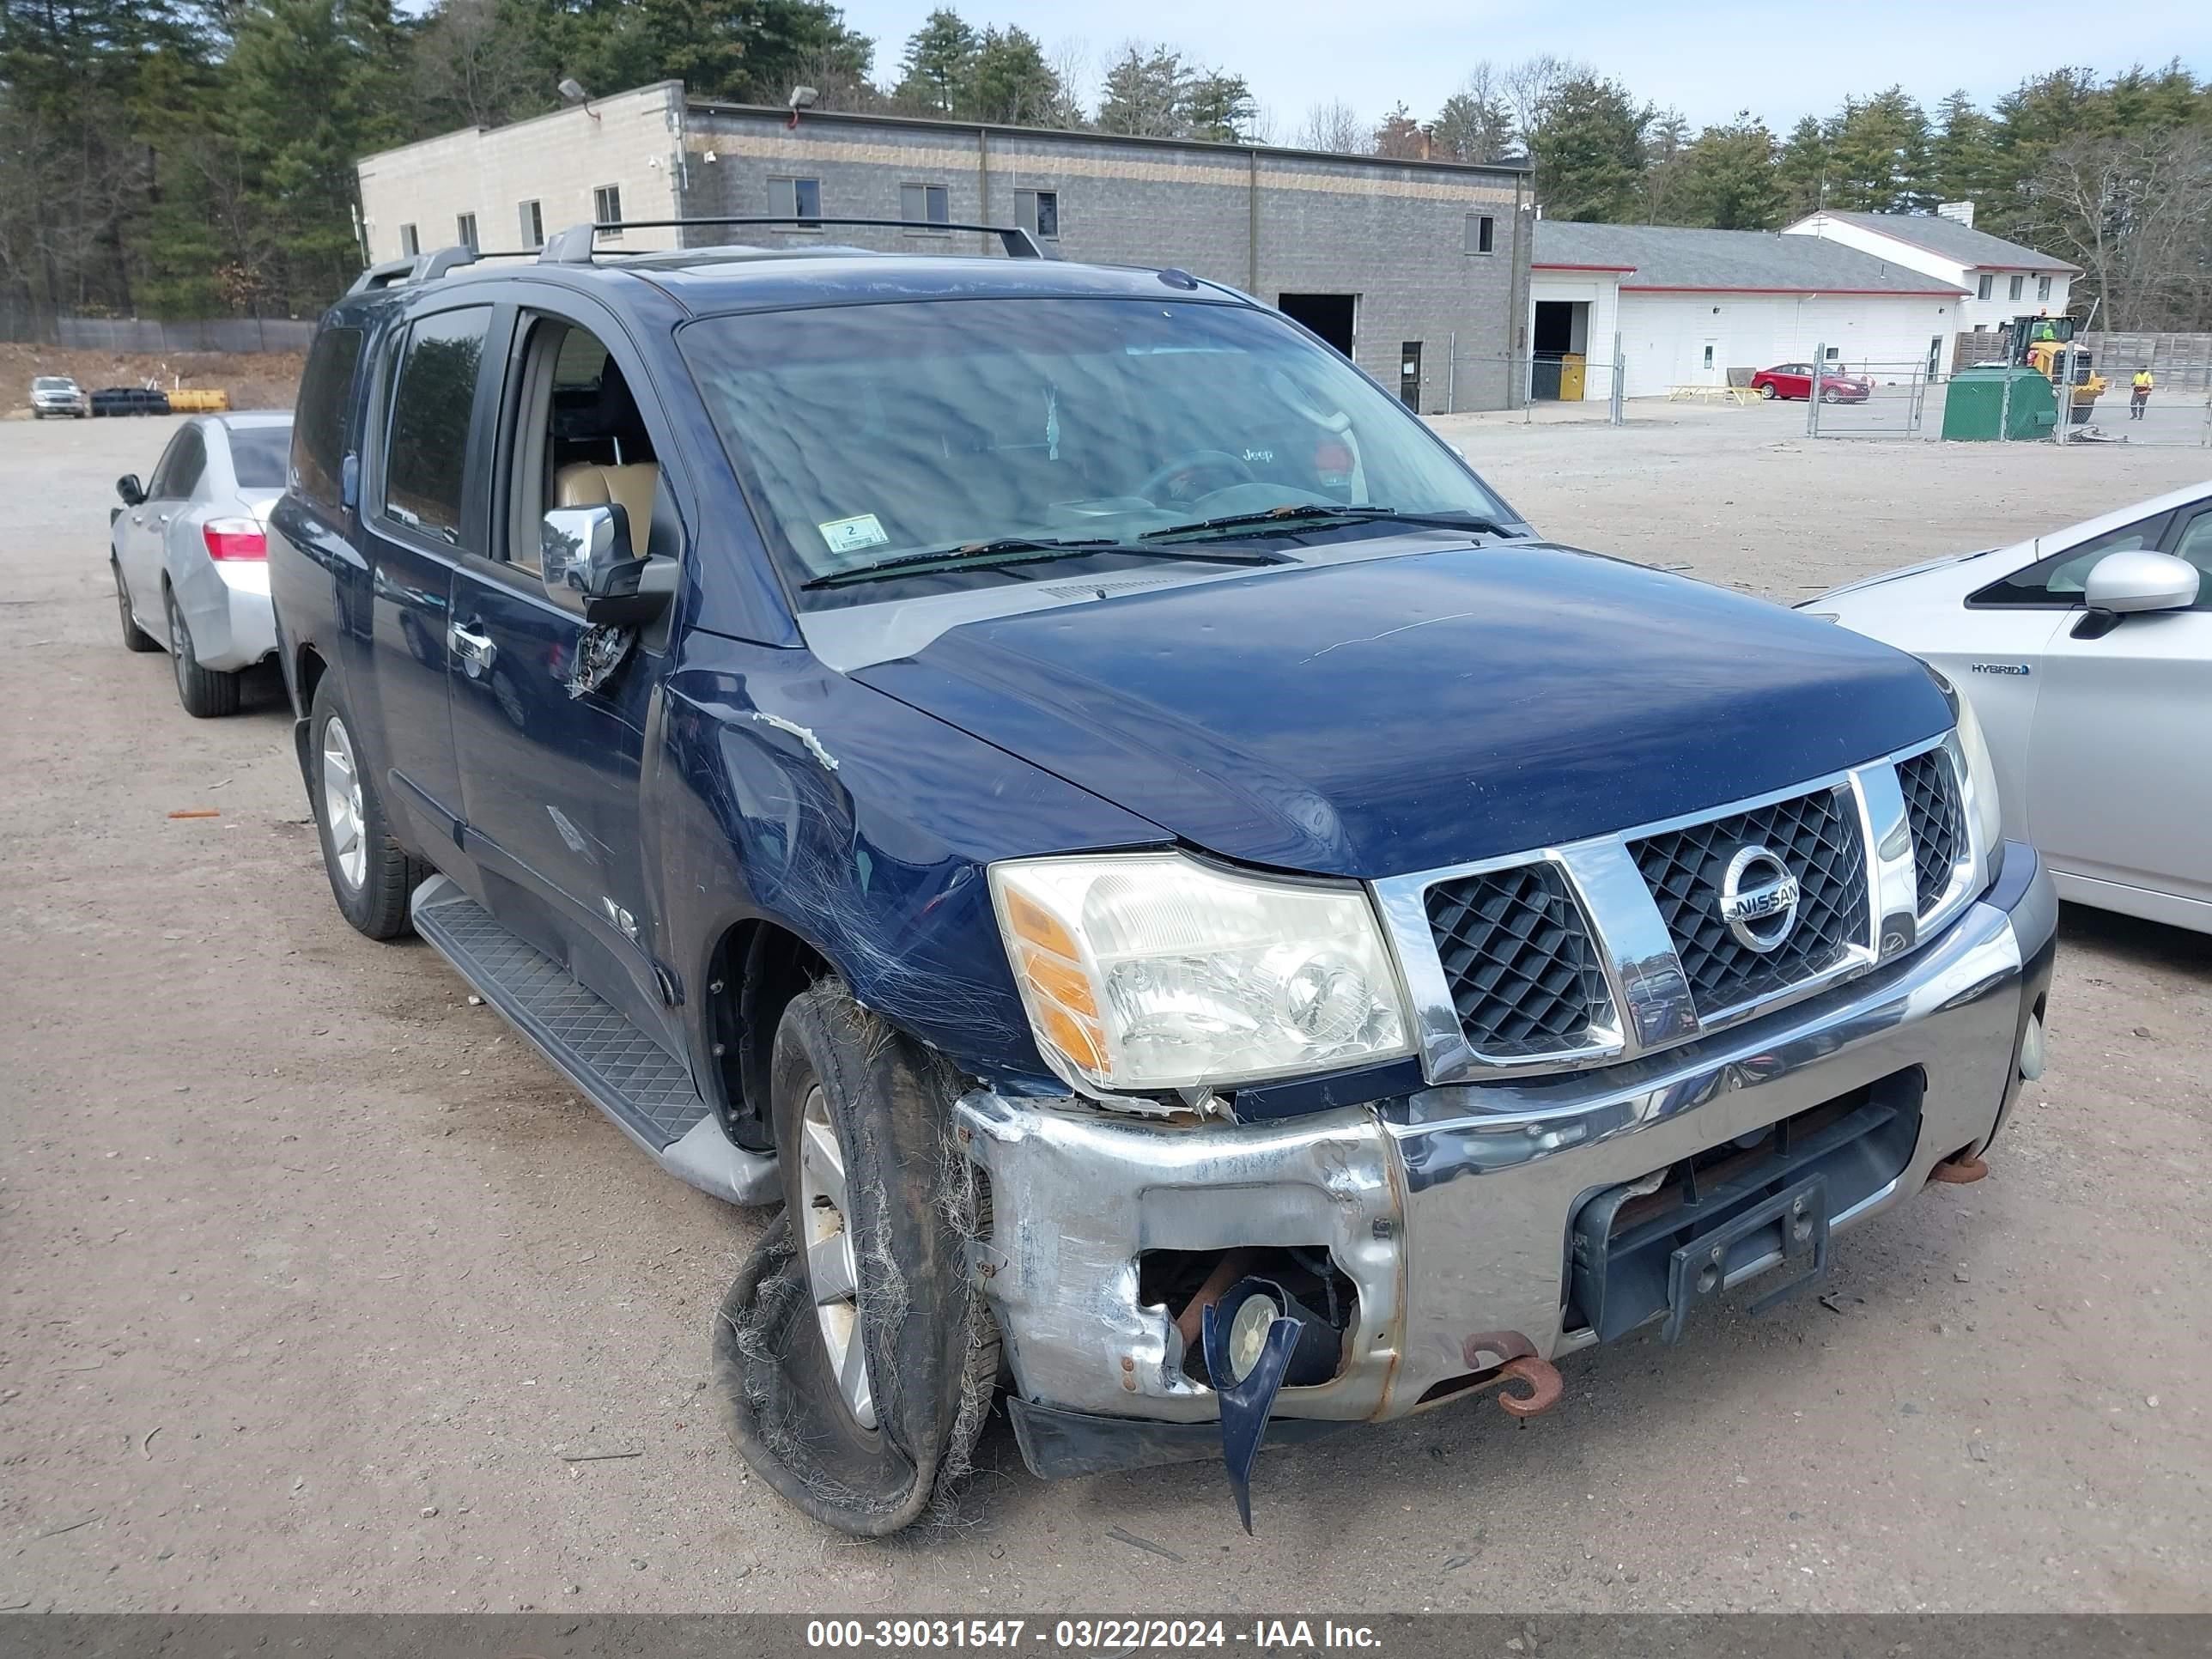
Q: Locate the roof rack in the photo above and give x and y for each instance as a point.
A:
(574, 245)
(427, 267)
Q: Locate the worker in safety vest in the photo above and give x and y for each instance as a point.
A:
(2141, 395)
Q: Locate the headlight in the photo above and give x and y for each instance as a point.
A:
(1982, 801)
(1148, 972)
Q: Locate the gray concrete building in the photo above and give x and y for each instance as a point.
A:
(1418, 270)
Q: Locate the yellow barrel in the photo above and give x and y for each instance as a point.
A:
(183, 402)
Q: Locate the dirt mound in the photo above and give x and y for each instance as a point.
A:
(258, 379)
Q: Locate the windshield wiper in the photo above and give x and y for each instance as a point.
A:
(1260, 523)
(1020, 550)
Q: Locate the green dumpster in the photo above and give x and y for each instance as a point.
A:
(1979, 401)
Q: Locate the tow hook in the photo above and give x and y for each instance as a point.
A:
(1515, 1356)
(1544, 1386)
(1958, 1170)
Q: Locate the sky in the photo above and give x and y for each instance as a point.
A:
(1778, 60)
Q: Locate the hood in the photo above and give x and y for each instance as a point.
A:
(1899, 574)
(1392, 715)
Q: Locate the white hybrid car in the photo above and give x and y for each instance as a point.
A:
(2087, 655)
(189, 551)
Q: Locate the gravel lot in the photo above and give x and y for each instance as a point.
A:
(312, 1275)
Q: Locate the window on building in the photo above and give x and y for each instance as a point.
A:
(606, 209)
(426, 456)
(465, 230)
(1481, 234)
(795, 198)
(410, 243)
(925, 205)
(1038, 211)
(534, 224)
(2043, 287)
(2017, 287)
(1986, 287)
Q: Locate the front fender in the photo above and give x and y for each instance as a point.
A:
(787, 792)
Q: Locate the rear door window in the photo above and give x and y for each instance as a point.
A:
(321, 432)
(434, 399)
(180, 467)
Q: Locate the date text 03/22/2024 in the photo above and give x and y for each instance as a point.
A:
(1084, 1635)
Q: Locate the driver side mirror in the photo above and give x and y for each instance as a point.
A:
(132, 492)
(589, 567)
(2120, 584)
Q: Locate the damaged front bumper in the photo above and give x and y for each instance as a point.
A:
(1453, 1210)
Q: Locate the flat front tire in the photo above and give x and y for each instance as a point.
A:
(855, 1358)
(371, 876)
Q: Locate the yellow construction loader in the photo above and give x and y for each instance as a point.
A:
(2040, 343)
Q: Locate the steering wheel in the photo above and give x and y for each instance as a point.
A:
(1185, 468)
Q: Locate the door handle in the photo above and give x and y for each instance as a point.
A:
(475, 650)
(161, 518)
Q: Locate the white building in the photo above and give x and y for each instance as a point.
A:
(1691, 304)
(2002, 279)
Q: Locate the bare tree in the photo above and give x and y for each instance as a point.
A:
(1334, 125)
(1528, 87)
(2133, 211)
(1073, 67)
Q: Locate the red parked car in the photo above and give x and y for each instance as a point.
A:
(1796, 380)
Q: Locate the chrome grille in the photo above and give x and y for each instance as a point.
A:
(1523, 970)
(1817, 836)
(1931, 809)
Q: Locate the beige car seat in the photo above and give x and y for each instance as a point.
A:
(586, 483)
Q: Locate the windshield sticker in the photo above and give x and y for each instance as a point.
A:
(851, 535)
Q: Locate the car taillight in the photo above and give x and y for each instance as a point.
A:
(236, 539)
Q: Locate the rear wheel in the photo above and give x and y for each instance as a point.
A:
(855, 1360)
(135, 638)
(371, 876)
(205, 693)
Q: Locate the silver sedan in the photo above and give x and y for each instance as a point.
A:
(2087, 655)
(190, 553)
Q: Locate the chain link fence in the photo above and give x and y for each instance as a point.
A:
(1867, 399)
(1539, 386)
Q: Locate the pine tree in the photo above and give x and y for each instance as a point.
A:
(939, 64)
(1147, 94)
(1730, 177)
(1804, 168)
(1879, 150)
(1589, 146)
(1219, 106)
(1473, 127)
(1009, 80)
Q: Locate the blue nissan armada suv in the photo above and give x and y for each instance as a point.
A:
(1202, 920)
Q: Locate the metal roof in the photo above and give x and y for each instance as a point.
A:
(1745, 261)
(1952, 240)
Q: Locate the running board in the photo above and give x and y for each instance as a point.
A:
(646, 1090)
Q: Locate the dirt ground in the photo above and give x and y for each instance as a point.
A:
(255, 380)
(315, 1278)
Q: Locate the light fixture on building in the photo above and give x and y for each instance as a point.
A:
(571, 92)
(801, 98)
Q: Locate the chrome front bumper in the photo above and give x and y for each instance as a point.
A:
(1450, 1209)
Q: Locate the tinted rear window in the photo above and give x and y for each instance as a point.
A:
(426, 467)
(257, 455)
(320, 436)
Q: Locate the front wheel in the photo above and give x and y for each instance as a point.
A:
(371, 876)
(1767, 391)
(1832, 397)
(135, 638)
(856, 1361)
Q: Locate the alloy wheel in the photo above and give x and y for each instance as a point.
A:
(832, 1270)
(342, 809)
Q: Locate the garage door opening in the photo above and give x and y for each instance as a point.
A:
(1329, 315)
(1560, 345)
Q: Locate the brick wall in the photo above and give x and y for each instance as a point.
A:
(1271, 223)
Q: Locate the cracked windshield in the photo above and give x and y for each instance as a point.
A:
(887, 436)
